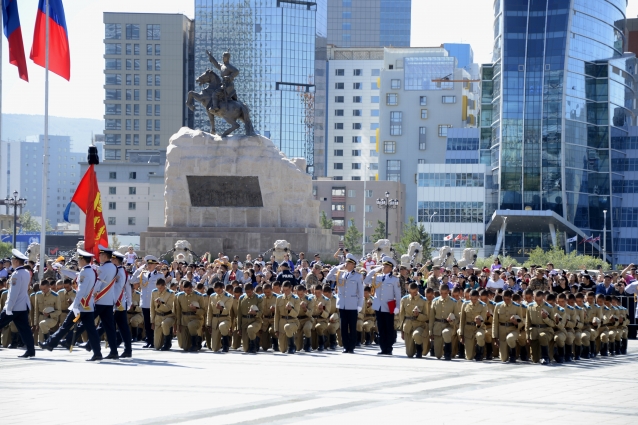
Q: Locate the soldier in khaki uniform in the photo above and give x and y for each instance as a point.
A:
(442, 323)
(623, 329)
(218, 318)
(286, 322)
(162, 315)
(539, 325)
(557, 345)
(484, 294)
(571, 319)
(368, 320)
(582, 330)
(234, 322)
(507, 326)
(320, 315)
(190, 315)
(595, 320)
(67, 295)
(472, 327)
(46, 311)
(334, 321)
(413, 319)
(249, 319)
(306, 321)
(457, 347)
(427, 347)
(268, 338)
(134, 313)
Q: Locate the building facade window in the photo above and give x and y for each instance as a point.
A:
(423, 100)
(448, 99)
(391, 99)
(153, 32)
(422, 131)
(393, 170)
(389, 147)
(395, 84)
(443, 130)
(424, 114)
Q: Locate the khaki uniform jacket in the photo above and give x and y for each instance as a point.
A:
(224, 299)
(66, 299)
(579, 317)
(245, 304)
(281, 311)
(433, 282)
(469, 312)
(571, 317)
(182, 305)
(135, 303)
(333, 310)
(310, 302)
(534, 318)
(440, 311)
(165, 307)
(267, 303)
(321, 309)
(43, 301)
(407, 310)
(369, 313)
(503, 313)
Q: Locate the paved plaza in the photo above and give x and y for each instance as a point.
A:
(318, 388)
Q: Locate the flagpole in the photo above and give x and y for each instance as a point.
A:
(45, 166)
(1, 79)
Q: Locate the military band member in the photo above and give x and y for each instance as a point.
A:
(349, 299)
(306, 321)
(17, 307)
(162, 315)
(249, 319)
(320, 315)
(190, 316)
(148, 277)
(507, 327)
(46, 311)
(267, 337)
(386, 302)
(539, 324)
(369, 323)
(472, 327)
(123, 296)
(286, 322)
(412, 315)
(218, 318)
(442, 323)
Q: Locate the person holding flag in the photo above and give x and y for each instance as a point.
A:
(13, 32)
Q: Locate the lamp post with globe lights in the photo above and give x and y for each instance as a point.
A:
(387, 204)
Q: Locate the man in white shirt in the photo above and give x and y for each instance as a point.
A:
(495, 282)
(131, 256)
(369, 263)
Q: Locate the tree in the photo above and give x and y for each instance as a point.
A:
(115, 243)
(468, 243)
(5, 250)
(324, 221)
(379, 232)
(413, 232)
(487, 262)
(30, 224)
(572, 261)
(352, 239)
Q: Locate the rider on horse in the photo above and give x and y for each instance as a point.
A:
(228, 73)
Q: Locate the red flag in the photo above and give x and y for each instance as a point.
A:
(87, 197)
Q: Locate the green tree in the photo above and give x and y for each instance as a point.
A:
(30, 224)
(379, 232)
(324, 221)
(487, 262)
(5, 249)
(115, 242)
(572, 261)
(414, 232)
(468, 243)
(352, 239)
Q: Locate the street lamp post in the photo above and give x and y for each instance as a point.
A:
(387, 203)
(604, 236)
(15, 202)
(504, 229)
(430, 222)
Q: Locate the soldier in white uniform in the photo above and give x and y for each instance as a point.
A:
(387, 293)
(147, 278)
(17, 307)
(123, 296)
(104, 301)
(82, 308)
(349, 299)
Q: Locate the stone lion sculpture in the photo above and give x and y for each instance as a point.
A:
(33, 251)
(182, 252)
(123, 249)
(469, 256)
(79, 245)
(445, 258)
(414, 255)
(281, 248)
(382, 247)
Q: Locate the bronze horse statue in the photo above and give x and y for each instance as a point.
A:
(229, 110)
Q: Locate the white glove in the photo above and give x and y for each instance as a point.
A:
(359, 309)
(396, 310)
(9, 312)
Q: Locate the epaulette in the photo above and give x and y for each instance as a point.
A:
(466, 301)
(228, 294)
(295, 297)
(502, 302)
(569, 307)
(310, 296)
(532, 304)
(452, 299)
(179, 293)
(560, 308)
(607, 308)
(155, 290)
(325, 298)
(137, 292)
(587, 307)
(523, 306)
(482, 303)
(260, 296)
(74, 291)
(516, 304)
(242, 296)
(170, 291)
(404, 297)
(422, 297)
(38, 293)
(548, 304)
(492, 302)
(199, 294)
(577, 308)
(437, 298)
(55, 294)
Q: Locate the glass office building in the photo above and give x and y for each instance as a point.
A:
(557, 106)
(273, 44)
(369, 23)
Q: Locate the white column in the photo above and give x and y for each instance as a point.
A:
(552, 231)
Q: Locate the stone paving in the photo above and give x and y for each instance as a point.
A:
(235, 388)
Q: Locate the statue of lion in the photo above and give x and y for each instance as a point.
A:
(281, 248)
(381, 249)
(79, 245)
(123, 249)
(414, 255)
(469, 256)
(33, 251)
(182, 252)
(445, 258)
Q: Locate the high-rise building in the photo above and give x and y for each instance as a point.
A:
(423, 95)
(273, 43)
(22, 171)
(369, 23)
(557, 107)
(148, 70)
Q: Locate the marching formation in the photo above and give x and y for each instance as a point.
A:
(350, 306)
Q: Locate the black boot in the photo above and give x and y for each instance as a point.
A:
(603, 350)
(568, 353)
(524, 354)
(292, 349)
(167, 343)
(27, 354)
(306, 344)
(489, 351)
(512, 355)
(431, 349)
(256, 344)
(544, 354)
(479, 354)
(275, 343)
(419, 350)
(194, 344)
(140, 332)
(623, 346)
(251, 346)
(461, 353)
(225, 344)
(333, 341)
(617, 347)
(368, 338)
(376, 338)
(584, 351)
(96, 357)
(14, 341)
(611, 348)
(43, 345)
(592, 349)
(559, 354)
(126, 354)
(358, 344)
(87, 346)
(447, 351)
(577, 350)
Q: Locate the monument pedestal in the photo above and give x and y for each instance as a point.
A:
(235, 194)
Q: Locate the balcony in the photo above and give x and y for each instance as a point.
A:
(338, 199)
(338, 214)
(339, 229)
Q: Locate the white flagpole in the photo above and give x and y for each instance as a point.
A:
(1, 42)
(45, 162)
